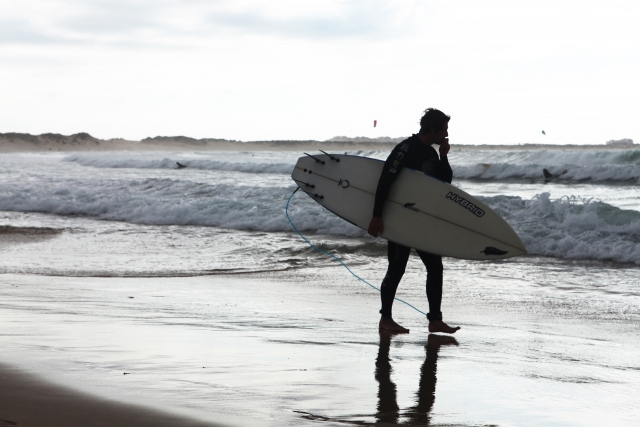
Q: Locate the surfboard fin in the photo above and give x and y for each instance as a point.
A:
(306, 184)
(315, 195)
(330, 156)
(493, 251)
(315, 158)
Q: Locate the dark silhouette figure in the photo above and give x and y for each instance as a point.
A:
(388, 410)
(415, 152)
(548, 175)
(180, 165)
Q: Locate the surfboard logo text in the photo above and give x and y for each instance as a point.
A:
(465, 204)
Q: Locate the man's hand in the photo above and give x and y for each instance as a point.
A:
(444, 147)
(376, 226)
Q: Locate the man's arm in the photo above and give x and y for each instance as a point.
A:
(447, 173)
(392, 167)
(376, 226)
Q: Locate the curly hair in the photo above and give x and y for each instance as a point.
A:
(433, 120)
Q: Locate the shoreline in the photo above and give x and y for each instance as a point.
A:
(270, 146)
(25, 143)
(29, 400)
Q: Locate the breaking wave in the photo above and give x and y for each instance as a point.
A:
(599, 166)
(168, 163)
(495, 165)
(562, 227)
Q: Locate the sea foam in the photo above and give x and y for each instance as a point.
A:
(573, 165)
(129, 162)
(571, 227)
(561, 227)
(495, 165)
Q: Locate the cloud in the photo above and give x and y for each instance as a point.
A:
(351, 20)
(121, 18)
(20, 31)
(97, 22)
(172, 21)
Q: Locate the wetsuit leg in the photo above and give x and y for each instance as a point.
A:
(434, 283)
(398, 256)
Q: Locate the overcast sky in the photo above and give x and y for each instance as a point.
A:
(306, 69)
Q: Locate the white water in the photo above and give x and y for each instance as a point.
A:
(248, 191)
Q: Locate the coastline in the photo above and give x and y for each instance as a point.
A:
(26, 143)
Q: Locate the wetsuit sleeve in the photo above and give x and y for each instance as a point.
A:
(445, 169)
(392, 167)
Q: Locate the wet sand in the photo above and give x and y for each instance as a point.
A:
(29, 401)
(302, 347)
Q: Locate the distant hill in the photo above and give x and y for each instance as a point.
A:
(380, 139)
(21, 142)
(621, 142)
(48, 138)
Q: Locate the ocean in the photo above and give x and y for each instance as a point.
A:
(590, 212)
(87, 237)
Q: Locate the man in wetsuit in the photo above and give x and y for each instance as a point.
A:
(416, 153)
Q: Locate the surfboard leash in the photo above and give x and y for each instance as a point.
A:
(286, 211)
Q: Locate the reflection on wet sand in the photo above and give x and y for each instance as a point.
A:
(388, 411)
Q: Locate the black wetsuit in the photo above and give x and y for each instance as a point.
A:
(411, 153)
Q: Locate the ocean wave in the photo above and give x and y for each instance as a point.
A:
(575, 165)
(571, 227)
(583, 157)
(566, 173)
(28, 231)
(167, 201)
(565, 166)
(110, 162)
(562, 227)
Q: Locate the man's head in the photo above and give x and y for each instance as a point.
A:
(433, 121)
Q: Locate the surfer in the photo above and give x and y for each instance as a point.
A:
(416, 153)
(548, 175)
(180, 165)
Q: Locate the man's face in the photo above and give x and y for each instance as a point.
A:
(440, 136)
(435, 137)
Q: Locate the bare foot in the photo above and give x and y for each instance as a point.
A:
(440, 326)
(388, 324)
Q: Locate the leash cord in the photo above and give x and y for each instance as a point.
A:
(286, 211)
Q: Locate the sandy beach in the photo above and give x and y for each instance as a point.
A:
(301, 348)
(28, 400)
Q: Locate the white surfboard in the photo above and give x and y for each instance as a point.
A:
(421, 212)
